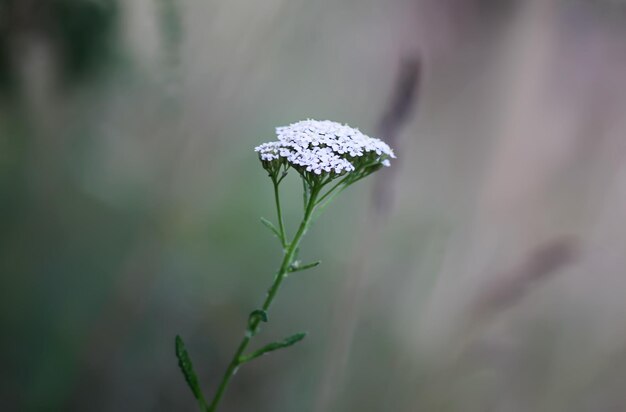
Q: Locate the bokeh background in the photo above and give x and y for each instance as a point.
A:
(484, 271)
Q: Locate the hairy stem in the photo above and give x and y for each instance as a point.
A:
(290, 251)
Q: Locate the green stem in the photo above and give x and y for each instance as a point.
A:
(330, 191)
(271, 294)
(281, 225)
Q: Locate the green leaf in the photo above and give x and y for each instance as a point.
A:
(261, 314)
(297, 266)
(253, 321)
(285, 343)
(184, 362)
(271, 227)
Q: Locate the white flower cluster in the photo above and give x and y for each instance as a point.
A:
(323, 146)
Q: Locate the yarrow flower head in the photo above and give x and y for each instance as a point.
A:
(324, 148)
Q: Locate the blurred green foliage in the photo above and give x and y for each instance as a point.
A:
(84, 34)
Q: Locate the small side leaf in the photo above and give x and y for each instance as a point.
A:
(261, 314)
(285, 343)
(255, 317)
(271, 227)
(184, 362)
(297, 266)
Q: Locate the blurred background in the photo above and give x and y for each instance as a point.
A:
(484, 271)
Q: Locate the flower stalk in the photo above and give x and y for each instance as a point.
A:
(279, 213)
(288, 259)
